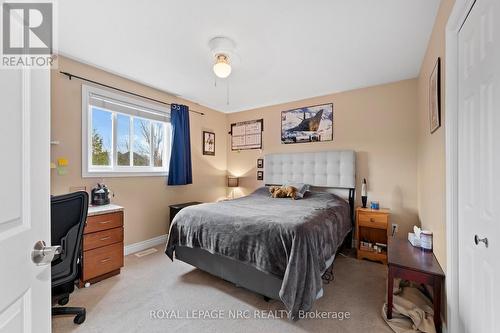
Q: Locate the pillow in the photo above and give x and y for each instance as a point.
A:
(301, 188)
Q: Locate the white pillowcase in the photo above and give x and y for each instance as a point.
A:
(301, 188)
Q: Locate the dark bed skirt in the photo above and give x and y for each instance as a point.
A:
(239, 273)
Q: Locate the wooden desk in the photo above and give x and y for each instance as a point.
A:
(412, 263)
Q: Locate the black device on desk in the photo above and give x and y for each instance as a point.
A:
(68, 216)
(100, 195)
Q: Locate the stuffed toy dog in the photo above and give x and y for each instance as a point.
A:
(283, 192)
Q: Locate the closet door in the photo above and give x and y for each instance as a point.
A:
(479, 163)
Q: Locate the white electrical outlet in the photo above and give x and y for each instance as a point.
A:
(395, 228)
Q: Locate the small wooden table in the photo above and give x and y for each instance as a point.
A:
(411, 263)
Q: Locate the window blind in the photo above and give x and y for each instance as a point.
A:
(110, 104)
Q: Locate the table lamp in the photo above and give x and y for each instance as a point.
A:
(232, 182)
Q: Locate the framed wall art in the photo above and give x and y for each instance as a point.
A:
(247, 135)
(435, 97)
(308, 124)
(208, 143)
(260, 163)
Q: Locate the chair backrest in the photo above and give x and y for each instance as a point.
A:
(68, 216)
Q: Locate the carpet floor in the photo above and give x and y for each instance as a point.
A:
(153, 294)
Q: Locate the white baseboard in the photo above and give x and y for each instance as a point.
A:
(146, 244)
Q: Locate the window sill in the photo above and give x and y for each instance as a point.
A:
(117, 174)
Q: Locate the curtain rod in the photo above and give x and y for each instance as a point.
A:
(70, 76)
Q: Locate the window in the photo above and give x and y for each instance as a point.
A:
(123, 136)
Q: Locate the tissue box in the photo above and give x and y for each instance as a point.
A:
(413, 239)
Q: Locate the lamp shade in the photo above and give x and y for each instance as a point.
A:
(232, 181)
(222, 68)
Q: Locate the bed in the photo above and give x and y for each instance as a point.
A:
(279, 248)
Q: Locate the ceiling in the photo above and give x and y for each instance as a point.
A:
(288, 49)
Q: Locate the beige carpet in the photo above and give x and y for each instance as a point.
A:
(123, 303)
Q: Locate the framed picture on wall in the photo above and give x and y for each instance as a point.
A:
(247, 134)
(308, 124)
(208, 143)
(260, 163)
(435, 97)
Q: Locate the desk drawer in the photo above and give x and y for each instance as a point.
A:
(102, 238)
(102, 260)
(373, 220)
(103, 222)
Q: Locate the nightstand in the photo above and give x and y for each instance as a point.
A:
(174, 209)
(371, 228)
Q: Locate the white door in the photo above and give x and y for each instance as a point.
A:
(479, 164)
(24, 199)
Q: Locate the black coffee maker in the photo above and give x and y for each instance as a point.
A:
(100, 195)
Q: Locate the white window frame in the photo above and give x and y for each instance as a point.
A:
(89, 171)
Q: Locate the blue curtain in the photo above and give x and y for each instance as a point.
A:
(180, 172)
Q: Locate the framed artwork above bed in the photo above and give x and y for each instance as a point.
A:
(308, 124)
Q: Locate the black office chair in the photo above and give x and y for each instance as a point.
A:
(68, 216)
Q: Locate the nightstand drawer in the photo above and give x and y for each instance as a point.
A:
(373, 220)
(102, 238)
(102, 260)
(103, 222)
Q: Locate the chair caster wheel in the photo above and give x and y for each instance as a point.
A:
(79, 319)
(63, 301)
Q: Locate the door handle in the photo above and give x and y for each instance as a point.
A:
(478, 240)
(42, 254)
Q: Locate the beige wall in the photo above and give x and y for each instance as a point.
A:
(146, 199)
(431, 147)
(378, 122)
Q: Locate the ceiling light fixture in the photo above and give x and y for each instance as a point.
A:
(224, 56)
(222, 67)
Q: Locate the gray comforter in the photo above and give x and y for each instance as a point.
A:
(291, 239)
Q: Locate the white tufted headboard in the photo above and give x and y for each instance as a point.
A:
(335, 168)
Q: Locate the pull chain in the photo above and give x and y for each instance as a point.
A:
(227, 89)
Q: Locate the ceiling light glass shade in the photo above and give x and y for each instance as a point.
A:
(222, 68)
